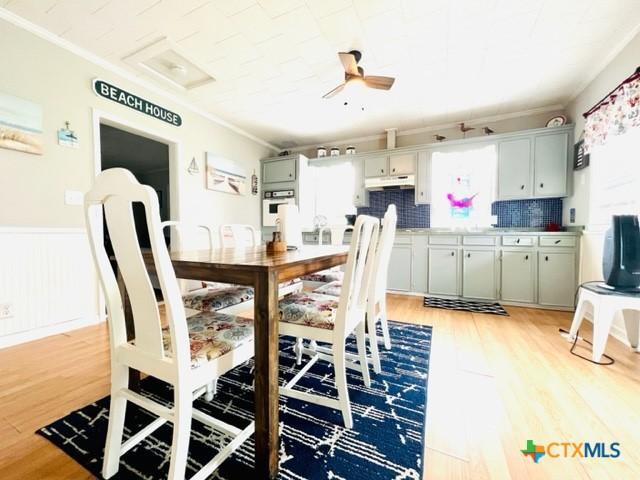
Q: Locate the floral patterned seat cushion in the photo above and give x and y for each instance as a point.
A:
(332, 288)
(214, 299)
(325, 276)
(212, 335)
(308, 308)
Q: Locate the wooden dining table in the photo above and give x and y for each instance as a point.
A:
(263, 271)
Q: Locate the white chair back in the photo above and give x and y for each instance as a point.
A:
(181, 229)
(353, 294)
(336, 233)
(239, 235)
(114, 191)
(378, 285)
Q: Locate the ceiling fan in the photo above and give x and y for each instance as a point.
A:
(355, 74)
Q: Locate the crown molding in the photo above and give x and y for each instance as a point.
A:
(45, 34)
(432, 128)
(601, 66)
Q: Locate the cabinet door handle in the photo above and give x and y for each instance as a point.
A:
(542, 185)
(468, 255)
(546, 258)
(557, 242)
(521, 187)
(518, 240)
(290, 175)
(394, 170)
(382, 170)
(422, 194)
(526, 257)
(453, 254)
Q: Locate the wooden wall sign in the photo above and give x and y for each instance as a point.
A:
(111, 92)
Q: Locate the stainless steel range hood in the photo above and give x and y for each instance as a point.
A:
(390, 183)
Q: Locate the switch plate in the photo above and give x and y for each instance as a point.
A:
(6, 310)
(73, 197)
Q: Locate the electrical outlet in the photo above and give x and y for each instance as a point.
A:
(6, 310)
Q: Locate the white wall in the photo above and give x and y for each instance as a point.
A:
(32, 187)
(584, 181)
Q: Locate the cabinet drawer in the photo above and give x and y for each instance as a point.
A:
(557, 241)
(402, 239)
(477, 240)
(515, 241)
(444, 240)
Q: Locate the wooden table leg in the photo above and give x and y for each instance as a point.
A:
(134, 375)
(266, 375)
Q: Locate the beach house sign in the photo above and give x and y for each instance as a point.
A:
(111, 92)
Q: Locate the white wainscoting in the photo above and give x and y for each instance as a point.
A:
(47, 274)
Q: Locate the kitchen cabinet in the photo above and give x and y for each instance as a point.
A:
(360, 194)
(423, 178)
(399, 276)
(517, 272)
(402, 163)
(277, 171)
(479, 274)
(550, 158)
(419, 263)
(376, 166)
(514, 169)
(443, 271)
(556, 278)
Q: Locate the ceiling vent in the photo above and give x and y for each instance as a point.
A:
(166, 61)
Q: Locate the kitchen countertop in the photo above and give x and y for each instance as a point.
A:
(571, 231)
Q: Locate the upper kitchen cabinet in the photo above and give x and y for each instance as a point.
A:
(360, 194)
(514, 169)
(402, 163)
(280, 170)
(376, 166)
(550, 158)
(534, 166)
(423, 178)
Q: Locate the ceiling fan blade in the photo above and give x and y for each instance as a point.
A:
(333, 92)
(381, 83)
(349, 63)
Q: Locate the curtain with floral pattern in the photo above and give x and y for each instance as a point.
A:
(614, 115)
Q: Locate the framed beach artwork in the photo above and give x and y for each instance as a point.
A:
(224, 175)
(20, 124)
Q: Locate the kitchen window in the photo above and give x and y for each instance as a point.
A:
(333, 186)
(463, 187)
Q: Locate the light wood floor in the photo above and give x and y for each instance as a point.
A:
(494, 383)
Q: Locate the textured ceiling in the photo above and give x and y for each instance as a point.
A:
(273, 59)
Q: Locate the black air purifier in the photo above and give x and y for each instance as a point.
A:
(621, 257)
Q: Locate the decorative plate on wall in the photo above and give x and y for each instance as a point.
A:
(557, 121)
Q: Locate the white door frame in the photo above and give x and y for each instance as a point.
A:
(106, 118)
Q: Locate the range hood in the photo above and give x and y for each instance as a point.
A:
(390, 183)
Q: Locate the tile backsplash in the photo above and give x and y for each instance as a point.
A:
(511, 213)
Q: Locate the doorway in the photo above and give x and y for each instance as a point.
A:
(148, 160)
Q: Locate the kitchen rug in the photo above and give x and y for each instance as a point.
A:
(387, 440)
(493, 308)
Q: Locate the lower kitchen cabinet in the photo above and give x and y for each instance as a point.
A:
(419, 264)
(443, 271)
(556, 278)
(479, 274)
(518, 276)
(399, 277)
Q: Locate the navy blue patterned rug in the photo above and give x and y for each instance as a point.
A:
(387, 441)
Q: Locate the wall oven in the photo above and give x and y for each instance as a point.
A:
(270, 204)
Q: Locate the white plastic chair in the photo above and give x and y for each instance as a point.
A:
(376, 299)
(328, 319)
(164, 353)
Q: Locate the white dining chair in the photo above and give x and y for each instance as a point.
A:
(199, 296)
(188, 356)
(335, 274)
(328, 319)
(238, 235)
(376, 299)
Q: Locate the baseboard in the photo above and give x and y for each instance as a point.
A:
(56, 329)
